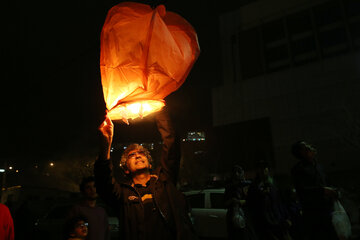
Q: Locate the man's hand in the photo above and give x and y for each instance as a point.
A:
(107, 132)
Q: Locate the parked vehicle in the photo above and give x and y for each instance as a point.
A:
(208, 212)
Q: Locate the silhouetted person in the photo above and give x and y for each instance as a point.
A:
(148, 202)
(315, 196)
(75, 228)
(96, 216)
(295, 212)
(269, 214)
(237, 221)
(24, 220)
(6, 223)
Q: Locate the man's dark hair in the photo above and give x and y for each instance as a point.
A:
(70, 225)
(131, 147)
(299, 146)
(296, 149)
(85, 181)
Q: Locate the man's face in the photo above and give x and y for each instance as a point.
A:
(137, 160)
(90, 191)
(308, 153)
(80, 230)
(239, 174)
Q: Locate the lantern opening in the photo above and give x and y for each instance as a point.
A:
(132, 110)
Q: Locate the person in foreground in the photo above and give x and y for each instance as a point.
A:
(148, 203)
(96, 216)
(75, 228)
(316, 197)
(6, 223)
(238, 224)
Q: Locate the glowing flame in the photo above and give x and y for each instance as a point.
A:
(134, 110)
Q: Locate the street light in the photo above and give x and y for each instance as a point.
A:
(51, 164)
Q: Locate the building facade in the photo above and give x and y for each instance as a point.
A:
(291, 68)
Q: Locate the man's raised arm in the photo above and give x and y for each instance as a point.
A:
(106, 185)
(106, 136)
(170, 156)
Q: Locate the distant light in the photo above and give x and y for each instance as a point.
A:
(36, 166)
(10, 168)
(2, 170)
(17, 170)
(51, 164)
(195, 136)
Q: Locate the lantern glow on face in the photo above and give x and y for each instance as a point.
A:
(145, 55)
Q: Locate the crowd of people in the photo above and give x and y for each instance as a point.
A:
(303, 212)
(149, 205)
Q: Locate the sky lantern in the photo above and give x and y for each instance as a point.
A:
(145, 54)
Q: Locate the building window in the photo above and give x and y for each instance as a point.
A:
(328, 13)
(355, 33)
(333, 42)
(325, 30)
(299, 23)
(273, 31)
(302, 38)
(234, 56)
(352, 8)
(276, 46)
(251, 53)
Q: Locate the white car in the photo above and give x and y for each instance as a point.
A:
(208, 212)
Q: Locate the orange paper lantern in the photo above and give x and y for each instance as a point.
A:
(145, 55)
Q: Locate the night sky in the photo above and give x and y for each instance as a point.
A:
(51, 86)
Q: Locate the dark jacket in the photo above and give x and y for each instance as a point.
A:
(309, 181)
(170, 202)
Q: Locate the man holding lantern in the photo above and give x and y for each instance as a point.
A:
(148, 204)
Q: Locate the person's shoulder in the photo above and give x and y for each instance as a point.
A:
(3, 206)
(100, 208)
(161, 173)
(4, 209)
(76, 207)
